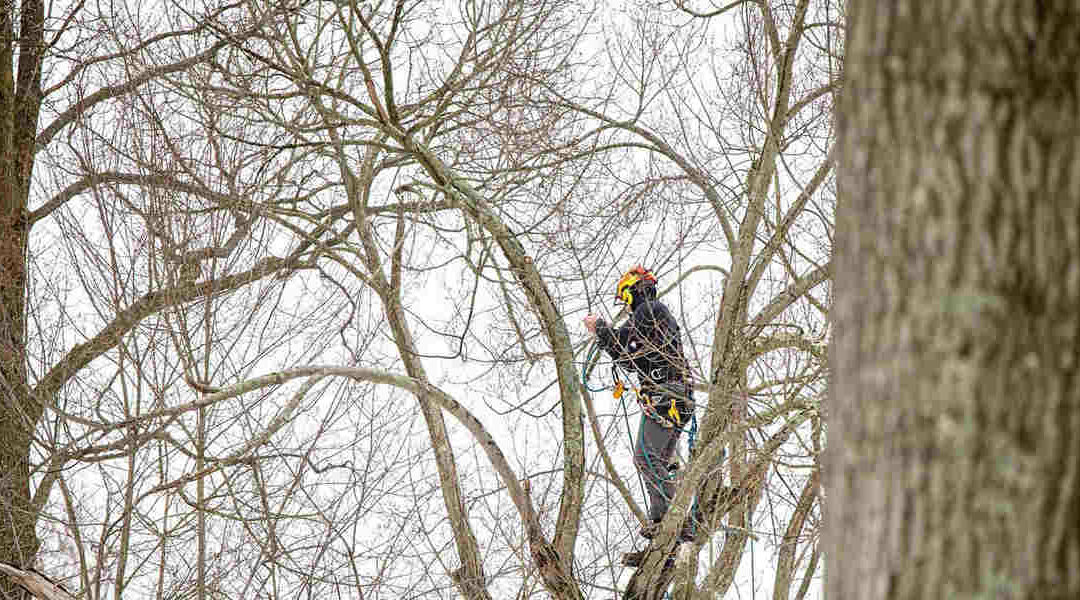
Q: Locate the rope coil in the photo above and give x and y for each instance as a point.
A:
(590, 358)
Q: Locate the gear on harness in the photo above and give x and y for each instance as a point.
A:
(678, 400)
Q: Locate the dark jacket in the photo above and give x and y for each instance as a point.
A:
(649, 344)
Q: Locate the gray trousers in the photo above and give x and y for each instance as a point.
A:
(654, 451)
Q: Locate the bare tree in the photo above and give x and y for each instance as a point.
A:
(343, 221)
(953, 415)
(491, 155)
(121, 236)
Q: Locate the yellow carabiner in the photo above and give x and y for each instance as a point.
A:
(674, 414)
(618, 391)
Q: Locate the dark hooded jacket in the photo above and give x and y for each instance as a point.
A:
(649, 344)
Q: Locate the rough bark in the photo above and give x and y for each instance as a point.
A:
(954, 453)
(20, 100)
(18, 542)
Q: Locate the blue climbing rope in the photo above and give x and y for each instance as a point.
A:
(590, 358)
(691, 436)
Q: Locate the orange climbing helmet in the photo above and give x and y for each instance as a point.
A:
(624, 289)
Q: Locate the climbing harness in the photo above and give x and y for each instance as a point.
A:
(673, 422)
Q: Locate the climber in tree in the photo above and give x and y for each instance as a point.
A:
(649, 344)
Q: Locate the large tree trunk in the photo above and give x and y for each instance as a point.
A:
(18, 541)
(954, 416)
(20, 101)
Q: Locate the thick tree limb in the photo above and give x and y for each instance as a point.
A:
(36, 583)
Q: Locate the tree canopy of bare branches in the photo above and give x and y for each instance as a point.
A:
(291, 292)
